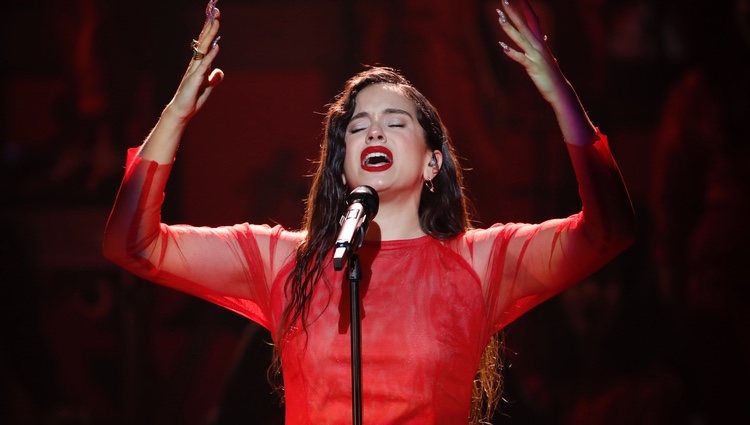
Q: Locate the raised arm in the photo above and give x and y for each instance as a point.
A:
(607, 208)
(232, 266)
(194, 89)
(527, 264)
(522, 26)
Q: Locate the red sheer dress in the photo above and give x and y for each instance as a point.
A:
(428, 306)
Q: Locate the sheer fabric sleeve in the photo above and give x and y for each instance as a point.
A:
(521, 265)
(232, 266)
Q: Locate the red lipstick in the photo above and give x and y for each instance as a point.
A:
(376, 158)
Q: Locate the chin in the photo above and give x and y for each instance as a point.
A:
(377, 187)
(374, 182)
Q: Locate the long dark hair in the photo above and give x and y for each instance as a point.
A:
(443, 214)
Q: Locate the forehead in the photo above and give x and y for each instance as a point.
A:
(378, 97)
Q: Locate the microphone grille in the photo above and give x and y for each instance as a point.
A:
(367, 196)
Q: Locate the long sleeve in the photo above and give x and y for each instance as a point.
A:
(233, 266)
(522, 265)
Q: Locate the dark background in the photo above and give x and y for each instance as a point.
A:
(657, 337)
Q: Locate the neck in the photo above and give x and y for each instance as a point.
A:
(396, 220)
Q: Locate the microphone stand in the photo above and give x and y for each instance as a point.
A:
(355, 275)
(356, 222)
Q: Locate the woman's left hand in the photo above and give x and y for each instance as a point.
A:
(521, 24)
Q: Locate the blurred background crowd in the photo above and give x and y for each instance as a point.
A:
(659, 336)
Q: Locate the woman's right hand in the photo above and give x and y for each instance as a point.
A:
(199, 79)
(196, 85)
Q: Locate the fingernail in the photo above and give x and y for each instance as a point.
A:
(506, 2)
(216, 42)
(211, 10)
(501, 15)
(505, 47)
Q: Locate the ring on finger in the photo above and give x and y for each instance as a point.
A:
(197, 54)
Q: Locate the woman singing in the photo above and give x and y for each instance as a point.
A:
(435, 291)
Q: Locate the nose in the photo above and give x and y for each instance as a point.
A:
(375, 134)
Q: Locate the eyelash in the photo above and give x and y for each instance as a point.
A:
(357, 130)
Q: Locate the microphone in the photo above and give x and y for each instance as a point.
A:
(362, 207)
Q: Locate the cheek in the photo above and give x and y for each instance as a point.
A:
(350, 164)
(347, 174)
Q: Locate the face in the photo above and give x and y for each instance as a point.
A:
(385, 144)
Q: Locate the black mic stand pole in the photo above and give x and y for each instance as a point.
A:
(355, 275)
(347, 251)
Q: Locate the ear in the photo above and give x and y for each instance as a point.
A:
(433, 165)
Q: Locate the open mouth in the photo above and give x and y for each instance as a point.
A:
(376, 158)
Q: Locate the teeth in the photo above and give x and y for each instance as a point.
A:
(376, 158)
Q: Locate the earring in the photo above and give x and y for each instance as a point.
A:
(429, 185)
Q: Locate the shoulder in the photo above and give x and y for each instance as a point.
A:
(277, 233)
(472, 238)
(476, 246)
(276, 244)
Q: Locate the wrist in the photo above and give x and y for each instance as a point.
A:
(565, 99)
(574, 122)
(173, 116)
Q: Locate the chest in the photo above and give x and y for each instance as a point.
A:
(423, 315)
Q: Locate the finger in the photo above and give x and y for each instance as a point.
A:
(202, 47)
(208, 60)
(212, 12)
(205, 28)
(515, 36)
(216, 77)
(531, 18)
(517, 20)
(211, 9)
(200, 67)
(208, 36)
(514, 54)
(203, 66)
(200, 79)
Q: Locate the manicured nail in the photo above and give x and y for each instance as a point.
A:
(506, 2)
(501, 15)
(216, 42)
(505, 47)
(211, 10)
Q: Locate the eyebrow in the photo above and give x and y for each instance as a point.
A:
(386, 111)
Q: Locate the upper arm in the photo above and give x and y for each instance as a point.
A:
(234, 267)
(521, 265)
(231, 261)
